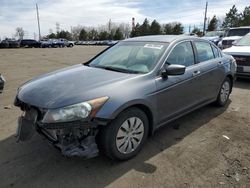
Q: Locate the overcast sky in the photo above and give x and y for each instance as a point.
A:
(22, 13)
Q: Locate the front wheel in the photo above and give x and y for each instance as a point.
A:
(124, 137)
(224, 93)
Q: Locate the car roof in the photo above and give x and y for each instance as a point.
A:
(242, 27)
(27, 39)
(160, 38)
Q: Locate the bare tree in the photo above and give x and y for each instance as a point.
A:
(19, 33)
(50, 31)
(58, 27)
(75, 31)
(125, 29)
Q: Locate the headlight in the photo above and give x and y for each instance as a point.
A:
(74, 112)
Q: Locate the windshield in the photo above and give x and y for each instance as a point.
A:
(130, 57)
(214, 33)
(238, 32)
(245, 41)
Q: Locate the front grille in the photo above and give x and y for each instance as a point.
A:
(64, 125)
(240, 69)
(242, 60)
(227, 42)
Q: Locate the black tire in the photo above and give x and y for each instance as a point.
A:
(71, 45)
(108, 135)
(220, 101)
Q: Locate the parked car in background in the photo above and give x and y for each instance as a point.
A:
(101, 42)
(67, 43)
(241, 53)
(9, 43)
(30, 43)
(232, 35)
(122, 95)
(2, 82)
(46, 43)
(4, 44)
(57, 43)
(214, 36)
(62, 43)
(80, 43)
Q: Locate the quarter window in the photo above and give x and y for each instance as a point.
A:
(216, 52)
(182, 54)
(204, 51)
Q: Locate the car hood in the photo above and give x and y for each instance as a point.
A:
(69, 86)
(232, 38)
(238, 50)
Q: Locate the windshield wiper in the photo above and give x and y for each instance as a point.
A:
(118, 69)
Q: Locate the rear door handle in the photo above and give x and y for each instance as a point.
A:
(195, 73)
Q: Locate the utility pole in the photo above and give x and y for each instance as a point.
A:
(38, 23)
(205, 20)
(109, 25)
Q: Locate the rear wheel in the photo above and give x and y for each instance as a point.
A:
(224, 93)
(124, 137)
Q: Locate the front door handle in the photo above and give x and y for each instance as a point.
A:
(197, 72)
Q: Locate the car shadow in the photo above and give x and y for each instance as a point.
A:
(37, 164)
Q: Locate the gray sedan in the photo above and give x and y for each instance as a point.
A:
(120, 97)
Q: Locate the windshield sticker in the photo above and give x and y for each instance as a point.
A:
(154, 46)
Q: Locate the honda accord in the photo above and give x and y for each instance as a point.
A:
(113, 102)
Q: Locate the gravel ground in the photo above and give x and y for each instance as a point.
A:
(207, 148)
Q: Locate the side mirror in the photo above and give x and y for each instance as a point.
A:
(172, 70)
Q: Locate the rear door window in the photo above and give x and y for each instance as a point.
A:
(204, 51)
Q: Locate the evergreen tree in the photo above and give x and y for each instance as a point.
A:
(232, 18)
(178, 29)
(83, 35)
(64, 34)
(103, 35)
(51, 36)
(168, 29)
(212, 26)
(118, 35)
(145, 28)
(136, 31)
(174, 28)
(155, 28)
(93, 35)
(197, 31)
(245, 18)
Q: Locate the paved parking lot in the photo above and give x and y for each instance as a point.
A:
(207, 148)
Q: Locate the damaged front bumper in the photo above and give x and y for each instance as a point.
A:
(76, 138)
